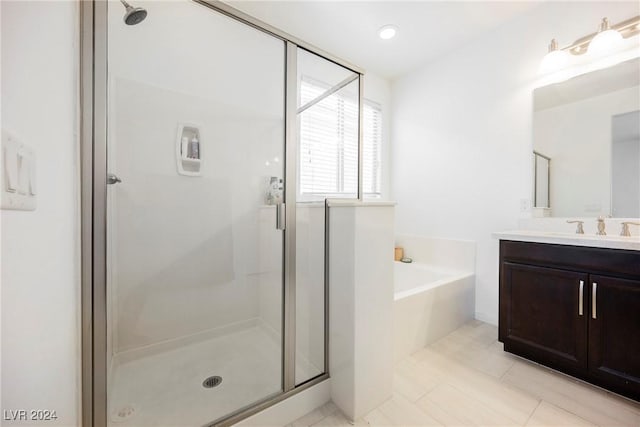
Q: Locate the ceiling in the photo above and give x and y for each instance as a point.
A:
(348, 29)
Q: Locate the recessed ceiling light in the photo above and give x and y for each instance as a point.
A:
(387, 32)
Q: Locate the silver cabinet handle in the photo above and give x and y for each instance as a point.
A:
(594, 290)
(581, 298)
(280, 216)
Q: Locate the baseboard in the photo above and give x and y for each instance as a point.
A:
(486, 318)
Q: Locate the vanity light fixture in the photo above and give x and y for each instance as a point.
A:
(388, 32)
(600, 43)
(606, 40)
(555, 59)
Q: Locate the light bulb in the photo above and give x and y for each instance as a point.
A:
(554, 60)
(387, 32)
(606, 41)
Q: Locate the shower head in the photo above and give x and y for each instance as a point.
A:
(133, 15)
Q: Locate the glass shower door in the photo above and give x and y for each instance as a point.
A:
(327, 167)
(195, 260)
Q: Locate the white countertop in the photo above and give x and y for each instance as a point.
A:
(553, 237)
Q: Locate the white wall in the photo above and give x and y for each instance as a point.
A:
(462, 133)
(40, 249)
(578, 138)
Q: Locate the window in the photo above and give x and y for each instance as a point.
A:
(329, 144)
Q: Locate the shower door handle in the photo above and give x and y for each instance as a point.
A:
(112, 179)
(280, 216)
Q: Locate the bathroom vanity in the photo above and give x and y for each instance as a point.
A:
(573, 306)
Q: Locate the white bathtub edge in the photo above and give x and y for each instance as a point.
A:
(416, 290)
(431, 312)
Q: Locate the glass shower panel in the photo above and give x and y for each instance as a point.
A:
(327, 168)
(327, 129)
(196, 138)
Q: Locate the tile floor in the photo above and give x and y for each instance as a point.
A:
(466, 379)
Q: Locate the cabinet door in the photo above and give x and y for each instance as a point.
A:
(543, 317)
(614, 333)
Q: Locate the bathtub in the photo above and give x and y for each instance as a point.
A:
(429, 303)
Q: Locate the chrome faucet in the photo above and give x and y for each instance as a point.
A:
(625, 228)
(579, 229)
(601, 231)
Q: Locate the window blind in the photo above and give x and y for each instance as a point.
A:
(372, 149)
(329, 144)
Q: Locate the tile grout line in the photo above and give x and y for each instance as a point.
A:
(483, 404)
(533, 412)
(506, 372)
(561, 376)
(570, 412)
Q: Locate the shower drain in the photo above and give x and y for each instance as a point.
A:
(212, 382)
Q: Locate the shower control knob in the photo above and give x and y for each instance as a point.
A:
(112, 179)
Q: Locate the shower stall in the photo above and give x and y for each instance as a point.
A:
(205, 134)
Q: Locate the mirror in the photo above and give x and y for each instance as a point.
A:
(586, 134)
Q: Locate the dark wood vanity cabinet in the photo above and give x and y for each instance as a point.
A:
(540, 305)
(574, 309)
(614, 333)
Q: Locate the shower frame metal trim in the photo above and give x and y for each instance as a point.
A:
(290, 162)
(93, 158)
(238, 15)
(93, 153)
(328, 92)
(86, 156)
